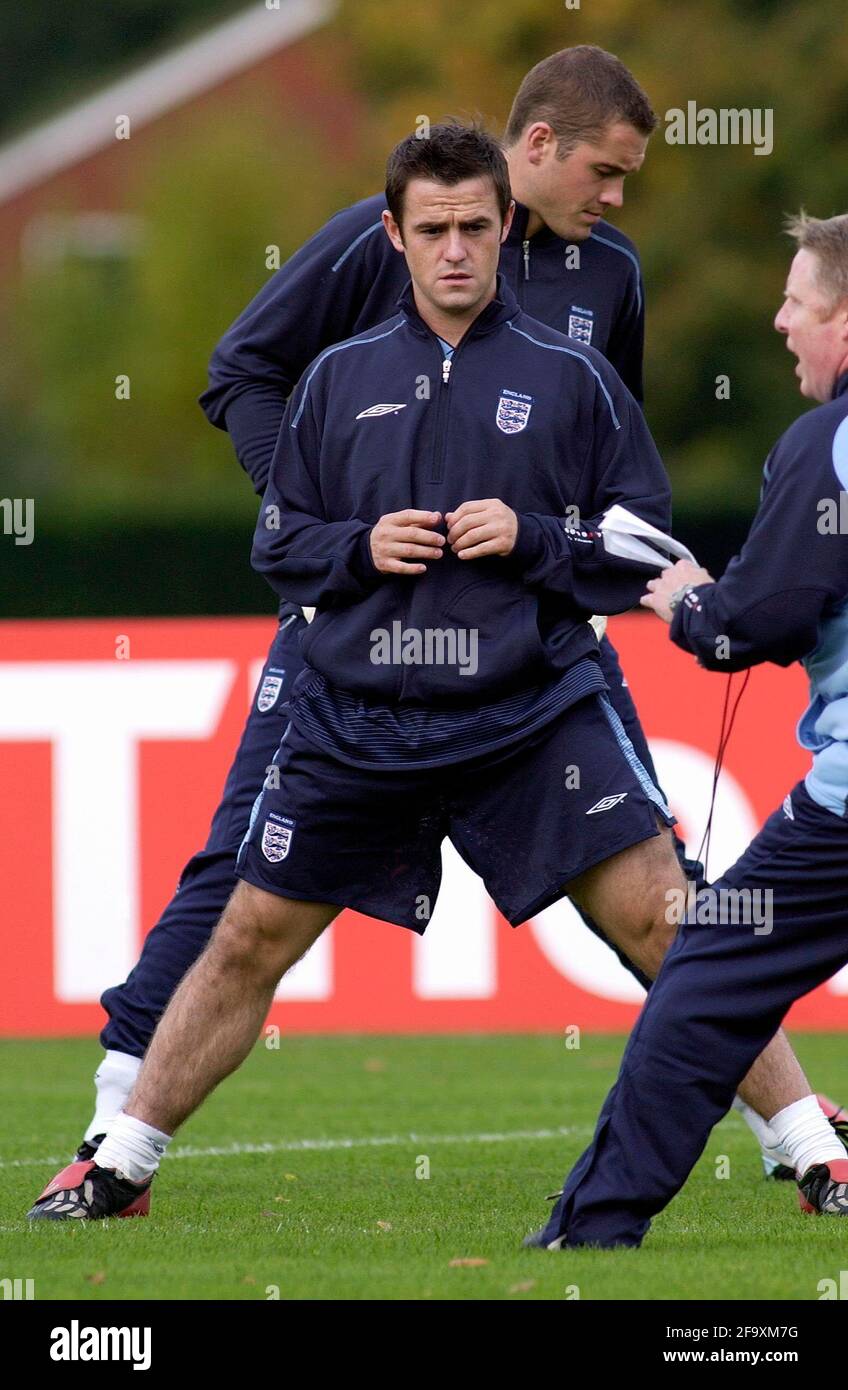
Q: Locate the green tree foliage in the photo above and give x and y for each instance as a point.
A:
(226, 195)
(707, 219)
(226, 184)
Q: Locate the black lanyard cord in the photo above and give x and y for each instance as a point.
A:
(727, 722)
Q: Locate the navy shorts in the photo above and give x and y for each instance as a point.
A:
(528, 819)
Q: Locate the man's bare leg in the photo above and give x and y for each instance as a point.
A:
(628, 896)
(207, 1030)
(775, 1080)
(214, 1017)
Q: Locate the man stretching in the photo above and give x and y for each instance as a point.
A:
(440, 476)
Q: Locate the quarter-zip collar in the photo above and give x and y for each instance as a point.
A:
(518, 231)
(840, 386)
(498, 311)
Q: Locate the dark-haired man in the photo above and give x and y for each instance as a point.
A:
(423, 478)
(579, 124)
(444, 511)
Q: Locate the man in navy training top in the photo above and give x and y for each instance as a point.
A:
(724, 989)
(376, 511)
(578, 125)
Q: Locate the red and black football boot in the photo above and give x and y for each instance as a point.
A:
(823, 1190)
(82, 1191)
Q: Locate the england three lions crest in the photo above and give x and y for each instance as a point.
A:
(581, 322)
(276, 839)
(513, 411)
(269, 693)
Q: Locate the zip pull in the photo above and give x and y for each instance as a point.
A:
(446, 366)
(526, 246)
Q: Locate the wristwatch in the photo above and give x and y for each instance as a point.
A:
(678, 596)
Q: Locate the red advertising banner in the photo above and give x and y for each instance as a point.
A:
(115, 740)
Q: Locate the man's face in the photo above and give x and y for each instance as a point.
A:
(451, 237)
(816, 333)
(572, 194)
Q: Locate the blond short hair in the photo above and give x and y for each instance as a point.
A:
(827, 239)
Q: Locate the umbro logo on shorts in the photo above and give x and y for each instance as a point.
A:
(385, 409)
(606, 803)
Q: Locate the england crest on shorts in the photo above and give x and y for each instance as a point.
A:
(580, 324)
(276, 840)
(269, 693)
(513, 411)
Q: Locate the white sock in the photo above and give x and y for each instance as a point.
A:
(805, 1133)
(773, 1154)
(133, 1148)
(113, 1080)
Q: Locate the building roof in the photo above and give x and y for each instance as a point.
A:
(159, 86)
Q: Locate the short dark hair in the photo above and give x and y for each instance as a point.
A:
(449, 153)
(579, 91)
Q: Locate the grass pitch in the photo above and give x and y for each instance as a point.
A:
(299, 1179)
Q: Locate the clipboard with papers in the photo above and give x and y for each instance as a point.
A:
(630, 538)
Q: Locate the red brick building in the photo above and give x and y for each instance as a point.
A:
(64, 183)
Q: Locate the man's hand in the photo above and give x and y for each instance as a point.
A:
(488, 527)
(661, 590)
(400, 538)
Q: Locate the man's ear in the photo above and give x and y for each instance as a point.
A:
(510, 213)
(392, 231)
(537, 141)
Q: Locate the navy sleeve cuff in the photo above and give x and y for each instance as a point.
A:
(529, 543)
(361, 562)
(676, 629)
(253, 422)
(702, 644)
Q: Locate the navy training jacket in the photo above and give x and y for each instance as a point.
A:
(524, 414)
(784, 598)
(348, 277)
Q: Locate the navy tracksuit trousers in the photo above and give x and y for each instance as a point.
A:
(208, 879)
(719, 998)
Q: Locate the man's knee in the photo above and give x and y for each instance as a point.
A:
(646, 925)
(263, 933)
(632, 896)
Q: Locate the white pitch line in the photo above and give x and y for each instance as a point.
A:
(327, 1145)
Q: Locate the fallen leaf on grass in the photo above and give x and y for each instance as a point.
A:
(467, 1264)
(384, 1225)
(524, 1287)
(98, 1277)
